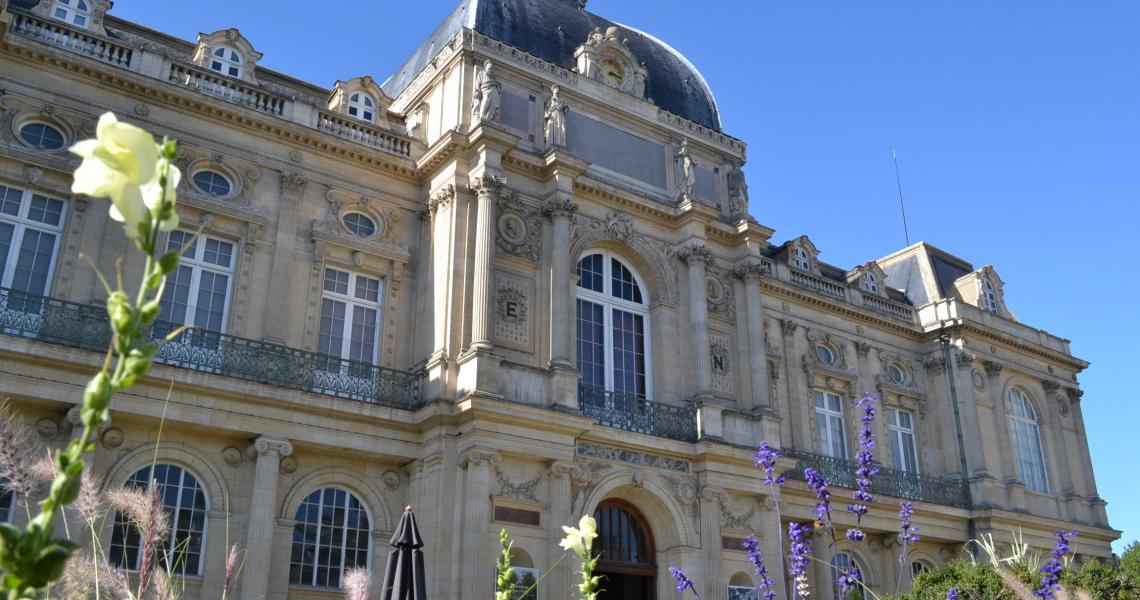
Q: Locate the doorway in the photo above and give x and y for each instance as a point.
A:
(627, 561)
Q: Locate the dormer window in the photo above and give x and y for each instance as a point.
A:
(75, 12)
(362, 106)
(226, 61)
(800, 259)
(870, 283)
(989, 296)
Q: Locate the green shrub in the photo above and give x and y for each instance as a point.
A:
(973, 582)
(1102, 581)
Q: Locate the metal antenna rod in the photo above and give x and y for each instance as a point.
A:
(902, 205)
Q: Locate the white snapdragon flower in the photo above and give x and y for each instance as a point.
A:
(116, 164)
(579, 540)
(152, 194)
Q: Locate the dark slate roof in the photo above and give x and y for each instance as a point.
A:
(552, 30)
(946, 272)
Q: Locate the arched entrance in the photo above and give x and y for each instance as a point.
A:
(625, 544)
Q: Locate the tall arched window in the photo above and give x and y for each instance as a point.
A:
(362, 106)
(989, 296)
(625, 545)
(331, 536)
(613, 327)
(185, 504)
(75, 12)
(226, 61)
(1027, 441)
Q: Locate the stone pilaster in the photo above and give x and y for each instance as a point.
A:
(699, 259)
(1008, 473)
(277, 297)
(757, 348)
(1060, 448)
(561, 475)
(799, 398)
(263, 504)
(564, 391)
(711, 501)
(486, 188)
(477, 580)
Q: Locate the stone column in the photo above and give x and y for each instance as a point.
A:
(971, 428)
(1092, 498)
(277, 297)
(477, 579)
(699, 259)
(1060, 449)
(263, 505)
(772, 541)
(799, 399)
(711, 500)
(486, 188)
(757, 347)
(561, 211)
(561, 581)
(1008, 473)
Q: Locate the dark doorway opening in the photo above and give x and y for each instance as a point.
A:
(625, 544)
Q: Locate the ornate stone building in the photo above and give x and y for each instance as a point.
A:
(516, 282)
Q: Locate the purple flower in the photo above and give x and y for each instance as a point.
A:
(1052, 569)
(765, 458)
(800, 548)
(952, 594)
(849, 579)
(906, 510)
(683, 582)
(866, 469)
(819, 486)
(752, 545)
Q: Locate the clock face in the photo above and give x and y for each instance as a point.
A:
(612, 71)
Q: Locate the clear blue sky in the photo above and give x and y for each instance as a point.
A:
(1017, 125)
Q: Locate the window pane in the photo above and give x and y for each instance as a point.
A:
(35, 258)
(7, 230)
(218, 253)
(10, 201)
(362, 346)
(629, 353)
(368, 289)
(211, 305)
(336, 281)
(591, 343)
(45, 210)
(624, 285)
(176, 295)
(590, 273)
(330, 340)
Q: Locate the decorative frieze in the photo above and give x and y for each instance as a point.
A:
(519, 490)
(720, 295)
(519, 228)
(633, 457)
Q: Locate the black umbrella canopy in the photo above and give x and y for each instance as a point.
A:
(404, 574)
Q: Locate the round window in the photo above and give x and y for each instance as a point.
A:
(42, 136)
(359, 224)
(212, 183)
(898, 375)
(825, 355)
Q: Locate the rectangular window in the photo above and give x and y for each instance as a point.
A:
(198, 292)
(350, 317)
(904, 452)
(829, 423)
(30, 228)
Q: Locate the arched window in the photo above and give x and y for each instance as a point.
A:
(870, 283)
(800, 259)
(362, 106)
(989, 297)
(740, 588)
(844, 561)
(613, 327)
(7, 501)
(1027, 441)
(524, 575)
(185, 504)
(625, 545)
(919, 567)
(331, 537)
(75, 12)
(226, 61)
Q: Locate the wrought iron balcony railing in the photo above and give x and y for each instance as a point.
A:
(633, 413)
(840, 472)
(84, 326)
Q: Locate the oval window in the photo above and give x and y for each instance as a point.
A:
(825, 355)
(897, 374)
(359, 224)
(212, 183)
(42, 136)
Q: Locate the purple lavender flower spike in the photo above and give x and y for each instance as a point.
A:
(683, 582)
(906, 511)
(866, 469)
(819, 486)
(800, 548)
(752, 546)
(952, 594)
(1052, 569)
(765, 458)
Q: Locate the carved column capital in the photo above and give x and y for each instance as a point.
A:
(1051, 387)
(293, 182)
(862, 348)
(441, 198)
(935, 363)
(478, 456)
(714, 494)
(788, 326)
(565, 469)
(964, 358)
(264, 445)
(560, 207)
(694, 254)
(993, 368)
(750, 272)
(1075, 395)
(486, 185)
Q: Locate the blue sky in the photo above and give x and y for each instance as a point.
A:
(1017, 125)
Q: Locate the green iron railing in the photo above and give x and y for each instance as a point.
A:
(634, 413)
(75, 325)
(840, 472)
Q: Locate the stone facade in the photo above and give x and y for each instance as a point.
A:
(467, 403)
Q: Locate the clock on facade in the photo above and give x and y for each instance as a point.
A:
(613, 71)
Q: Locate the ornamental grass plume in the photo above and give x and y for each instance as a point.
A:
(683, 582)
(357, 584)
(232, 567)
(17, 454)
(143, 510)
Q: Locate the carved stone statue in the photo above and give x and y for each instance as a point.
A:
(686, 171)
(737, 191)
(487, 101)
(555, 125)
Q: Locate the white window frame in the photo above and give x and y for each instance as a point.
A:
(1038, 482)
(226, 61)
(22, 223)
(898, 434)
(71, 11)
(609, 302)
(829, 415)
(343, 540)
(195, 260)
(364, 103)
(800, 259)
(353, 303)
(989, 296)
(870, 283)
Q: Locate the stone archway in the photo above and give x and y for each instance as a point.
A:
(628, 556)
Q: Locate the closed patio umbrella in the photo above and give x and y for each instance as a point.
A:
(404, 574)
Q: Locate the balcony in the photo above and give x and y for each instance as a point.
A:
(226, 88)
(62, 35)
(633, 413)
(363, 133)
(82, 326)
(839, 472)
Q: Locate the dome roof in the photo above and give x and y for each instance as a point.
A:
(552, 30)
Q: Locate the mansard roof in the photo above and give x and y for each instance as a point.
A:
(552, 30)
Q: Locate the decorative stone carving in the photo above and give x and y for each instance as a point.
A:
(720, 295)
(478, 456)
(862, 349)
(441, 198)
(486, 101)
(560, 206)
(993, 369)
(263, 445)
(650, 256)
(695, 252)
(751, 272)
(788, 326)
(741, 522)
(837, 345)
(964, 358)
(47, 428)
(512, 310)
(619, 227)
(519, 228)
(655, 461)
(686, 171)
(720, 363)
(979, 380)
(737, 190)
(112, 438)
(606, 58)
(554, 126)
(486, 185)
(935, 363)
(391, 480)
(232, 456)
(524, 490)
(288, 465)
